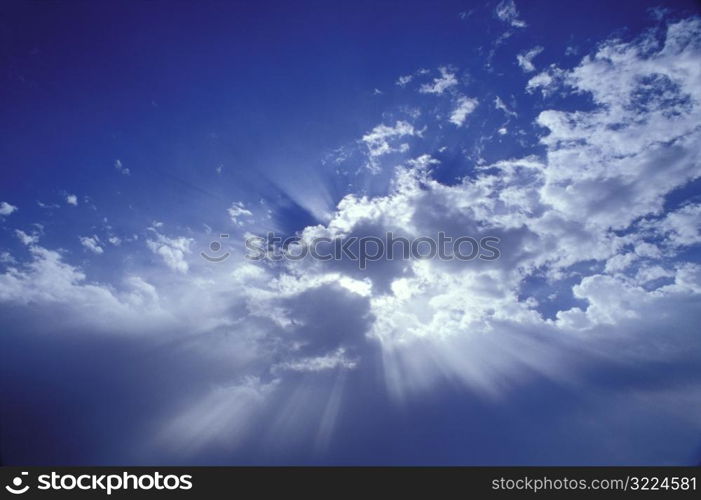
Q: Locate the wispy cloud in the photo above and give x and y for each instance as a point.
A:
(121, 168)
(463, 107)
(381, 140)
(506, 11)
(236, 211)
(440, 84)
(25, 238)
(525, 59)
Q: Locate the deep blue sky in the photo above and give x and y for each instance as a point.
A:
(174, 89)
(208, 104)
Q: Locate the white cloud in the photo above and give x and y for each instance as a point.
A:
(6, 258)
(547, 81)
(463, 107)
(679, 228)
(47, 205)
(571, 50)
(6, 208)
(27, 239)
(381, 141)
(501, 106)
(525, 59)
(72, 199)
(603, 169)
(46, 281)
(441, 83)
(378, 140)
(238, 210)
(402, 81)
(615, 163)
(92, 243)
(173, 251)
(506, 11)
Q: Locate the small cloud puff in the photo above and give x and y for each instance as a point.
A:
(92, 243)
(465, 106)
(238, 210)
(120, 167)
(7, 209)
(404, 80)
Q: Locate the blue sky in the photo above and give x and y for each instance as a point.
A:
(135, 133)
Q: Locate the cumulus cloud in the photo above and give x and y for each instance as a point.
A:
(72, 199)
(610, 165)
(603, 170)
(678, 228)
(173, 251)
